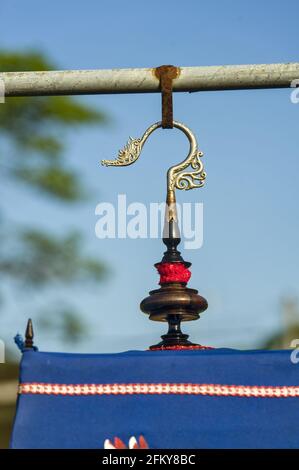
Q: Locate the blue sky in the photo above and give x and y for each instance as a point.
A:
(249, 258)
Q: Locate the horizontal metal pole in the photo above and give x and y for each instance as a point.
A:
(191, 79)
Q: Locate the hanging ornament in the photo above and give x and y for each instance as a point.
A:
(174, 302)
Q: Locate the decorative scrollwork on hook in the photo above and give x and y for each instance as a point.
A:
(189, 179)
(127, 155)
(176, 177)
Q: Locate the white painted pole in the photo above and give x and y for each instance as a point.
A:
(191, 79)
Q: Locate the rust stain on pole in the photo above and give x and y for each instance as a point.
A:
(166, 74)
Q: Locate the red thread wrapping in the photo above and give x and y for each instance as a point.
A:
(179, 347)
(173, 272)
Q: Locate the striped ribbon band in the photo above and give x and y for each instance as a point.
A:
(217, 390)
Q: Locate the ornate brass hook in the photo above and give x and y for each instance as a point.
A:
(176, 177)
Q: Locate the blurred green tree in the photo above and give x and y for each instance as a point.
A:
(32, 132)
(289, 331)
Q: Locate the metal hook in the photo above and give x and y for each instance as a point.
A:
(176, 177)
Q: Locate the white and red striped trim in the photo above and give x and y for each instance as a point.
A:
(246, 391)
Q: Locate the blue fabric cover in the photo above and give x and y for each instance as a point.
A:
(166, 421)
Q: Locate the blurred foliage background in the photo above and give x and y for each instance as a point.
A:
(32, 144)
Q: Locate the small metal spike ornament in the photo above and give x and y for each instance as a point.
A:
(29, 335)
(173, 302)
